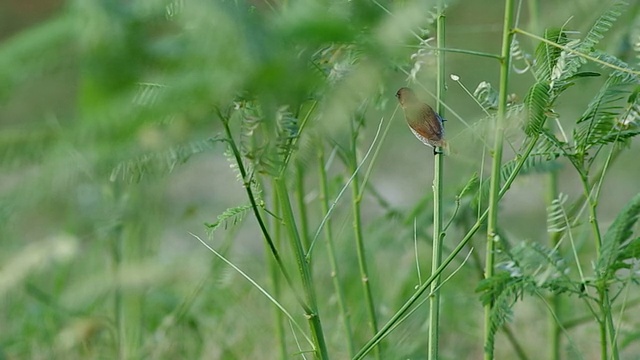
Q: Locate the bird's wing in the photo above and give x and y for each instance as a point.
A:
(434, 125)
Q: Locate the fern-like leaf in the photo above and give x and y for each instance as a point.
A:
(593, 37)
(537, 102)
(161, 163)
(603, 25)
(502, 292)
(486, 95)
(557, 219)
(615, 239)
(598, 122)
(547, 55)
(234, 214)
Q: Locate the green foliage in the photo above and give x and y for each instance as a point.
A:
(105, 105)
(557, 218)
(234, 214)
(616, 247)
(599, 124)
(158, 163)
(547, 56)
(537, 102)
(571, 61)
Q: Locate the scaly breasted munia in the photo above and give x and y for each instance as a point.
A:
(425, 123)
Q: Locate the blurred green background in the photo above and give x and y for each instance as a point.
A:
(106, 112)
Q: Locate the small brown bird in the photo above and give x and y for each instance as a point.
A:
(425, 123)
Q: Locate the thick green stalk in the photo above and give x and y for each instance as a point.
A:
(324, 202)
(311, 312)
(398, 316)
(357, 227)
(492, 222)
(438, 236)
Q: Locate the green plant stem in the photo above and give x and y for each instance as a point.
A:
(324, 202)
(331, 251)
(275, 278)
(467, 52)
(118, 309)
(568, 324)
(302, 207)
(438, 236)
(311, 313)
(494, 187)
(310, 310)
(357, 227)
(606, 322)
(396, 318)
(553, 328)
(246, 183)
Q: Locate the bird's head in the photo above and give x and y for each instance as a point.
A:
(405, 96)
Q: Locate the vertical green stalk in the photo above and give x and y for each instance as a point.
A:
(118, 309)
(553, 326)
(434, 301)
(324, 202)
(357, 227)
(275, 277)
(606, 321)
(311, 311)
(494, 191)
(302, 208)
(554, 330)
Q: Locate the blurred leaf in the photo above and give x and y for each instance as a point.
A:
(35, 50)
